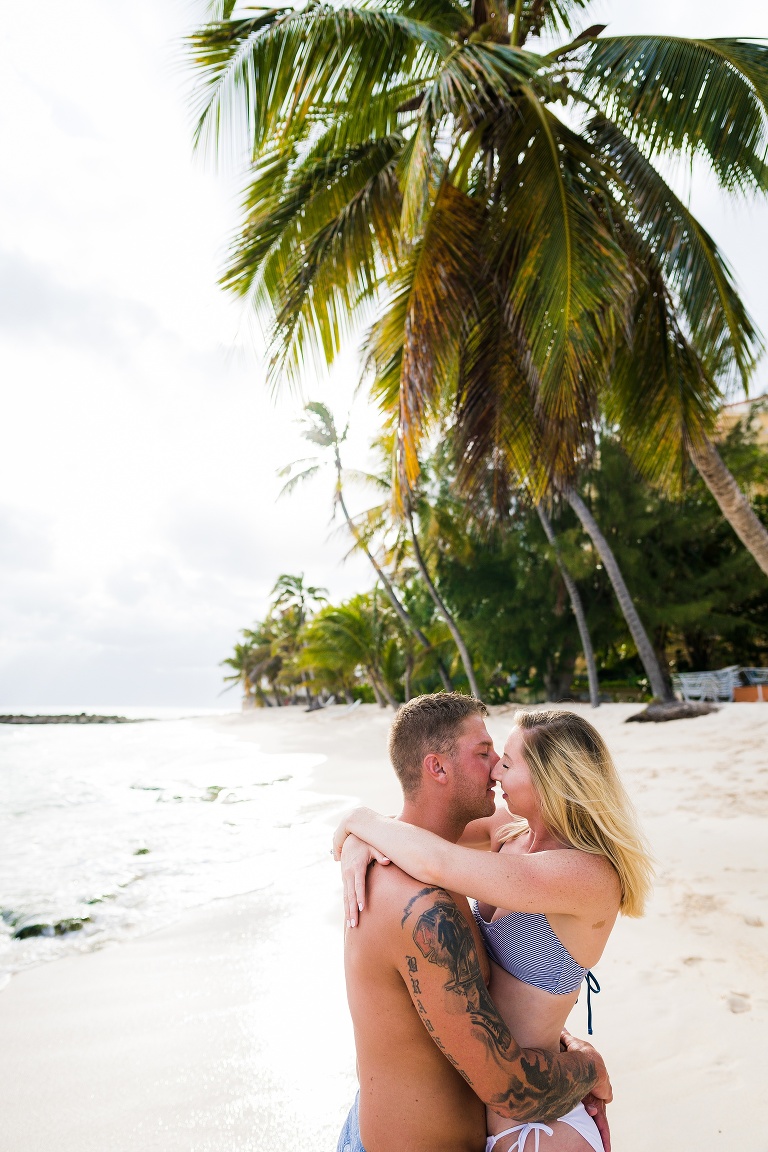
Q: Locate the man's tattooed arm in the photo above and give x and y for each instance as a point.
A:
(443, 974)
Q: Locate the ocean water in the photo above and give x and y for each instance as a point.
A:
(123, 827)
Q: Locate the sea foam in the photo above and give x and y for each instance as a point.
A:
(111, 831)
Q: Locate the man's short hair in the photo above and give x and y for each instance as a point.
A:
(427, 724)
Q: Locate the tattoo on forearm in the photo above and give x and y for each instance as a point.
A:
(546, 1089)
(539, 1086)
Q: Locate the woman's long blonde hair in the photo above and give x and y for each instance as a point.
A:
(583, 802)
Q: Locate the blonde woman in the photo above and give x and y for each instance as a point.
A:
(546, 896)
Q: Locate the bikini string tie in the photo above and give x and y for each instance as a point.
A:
(592, 986)
(525, 1131)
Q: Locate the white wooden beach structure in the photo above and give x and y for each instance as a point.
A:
(718, 684)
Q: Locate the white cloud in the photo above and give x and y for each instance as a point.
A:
(138, 447)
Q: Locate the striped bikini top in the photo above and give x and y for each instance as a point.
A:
(523, 944)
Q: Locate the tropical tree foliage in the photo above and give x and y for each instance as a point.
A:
(320, 429)
(493, 208)
(502, 578)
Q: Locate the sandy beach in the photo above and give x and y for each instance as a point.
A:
(228, 1032)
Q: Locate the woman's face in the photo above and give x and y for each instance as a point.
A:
(513, 774)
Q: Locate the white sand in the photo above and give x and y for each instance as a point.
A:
(228, 1032)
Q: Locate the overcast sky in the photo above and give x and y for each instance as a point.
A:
(138, 446)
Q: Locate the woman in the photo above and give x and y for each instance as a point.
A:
(547, 894)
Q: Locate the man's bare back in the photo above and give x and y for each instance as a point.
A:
(432, 1048)
(411, 1096)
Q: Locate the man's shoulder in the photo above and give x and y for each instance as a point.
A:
(390, 896)
(388, 885)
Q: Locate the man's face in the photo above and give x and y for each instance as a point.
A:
(471, 764)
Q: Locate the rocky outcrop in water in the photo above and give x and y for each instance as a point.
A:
(43, 924)
(82, 718)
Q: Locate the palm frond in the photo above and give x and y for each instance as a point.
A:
(260, 78)
(549, 17)
(660, 393)
(298, 478)
(688, 97)
(451, 17)
(472, 81)
(220, 9)
(698, 274)
(312, 253)
(565, 272)
(439, 299)
(495, 438)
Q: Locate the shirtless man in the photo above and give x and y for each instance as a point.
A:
(432, 1049)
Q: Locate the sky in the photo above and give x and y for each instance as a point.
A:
(140, 528)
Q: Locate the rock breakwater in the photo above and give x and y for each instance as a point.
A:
(81, 718)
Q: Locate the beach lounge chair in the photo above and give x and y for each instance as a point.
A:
(715, 685)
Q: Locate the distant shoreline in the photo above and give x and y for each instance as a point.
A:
(82, 718)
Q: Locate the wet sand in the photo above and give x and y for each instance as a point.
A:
(228, 1032)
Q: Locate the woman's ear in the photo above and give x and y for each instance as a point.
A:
(433, 766)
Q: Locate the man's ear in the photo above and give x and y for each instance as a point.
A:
(433, 766)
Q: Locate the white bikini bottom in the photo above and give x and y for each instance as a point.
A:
(577, 1118)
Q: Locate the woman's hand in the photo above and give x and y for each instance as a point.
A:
(355, 856)
(342, 830)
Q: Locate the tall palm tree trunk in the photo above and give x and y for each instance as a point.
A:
(407, 676)
(577, 607)
(732, 501)
(380, 689)
(440, 605)
(376, 692)
(392, 595)
(659, 686)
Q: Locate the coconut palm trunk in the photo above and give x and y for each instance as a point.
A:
(576, 606)
(403, 616)
(440, 605)
(732, 502)
(407, 676)
(659, 686)
(375, 689)
(378, 681)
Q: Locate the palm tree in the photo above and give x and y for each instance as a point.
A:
(242, 664)
(257, 659)
(660, 687)
(291, 594)
(576, 607)
(414, 154)
(320, 428)
(292, 604)
(344, 638)
(441, 606)
(381, 517)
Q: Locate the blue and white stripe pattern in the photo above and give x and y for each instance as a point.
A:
(524, 944)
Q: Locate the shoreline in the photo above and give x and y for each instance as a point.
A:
(228, 1029)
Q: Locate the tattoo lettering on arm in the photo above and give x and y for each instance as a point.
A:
(537, 1086)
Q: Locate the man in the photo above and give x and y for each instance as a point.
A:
(432, 1049)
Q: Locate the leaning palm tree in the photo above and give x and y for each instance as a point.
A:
(381, 517)
(413, 153)
(257, 660)
(348, 637)
(577, 606)
(320, 429)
